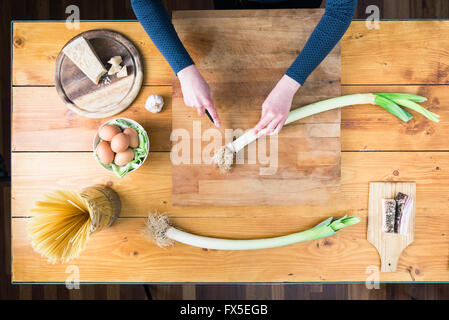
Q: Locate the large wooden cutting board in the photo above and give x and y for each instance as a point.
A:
(242, 54)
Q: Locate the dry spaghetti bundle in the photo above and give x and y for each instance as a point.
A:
(62, 223)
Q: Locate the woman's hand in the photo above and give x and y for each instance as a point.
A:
(276, 107)
(196, 92)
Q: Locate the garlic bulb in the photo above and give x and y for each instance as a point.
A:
(154, 103)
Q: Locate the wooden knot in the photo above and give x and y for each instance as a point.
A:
(430, 131)
(396, 172)
(18, 42)
(356, 36)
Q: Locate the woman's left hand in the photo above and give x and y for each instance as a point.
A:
(276, 107)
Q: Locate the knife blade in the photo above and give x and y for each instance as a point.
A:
(209, 116)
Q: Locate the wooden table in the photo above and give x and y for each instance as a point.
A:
(52, 149)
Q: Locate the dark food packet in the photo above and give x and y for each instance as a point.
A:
(400, 201)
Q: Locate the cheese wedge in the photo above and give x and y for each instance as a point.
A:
(114, 69)
(115, 61)
(84, 57)
(122, 73)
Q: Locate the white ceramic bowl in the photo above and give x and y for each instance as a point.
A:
(97, 141)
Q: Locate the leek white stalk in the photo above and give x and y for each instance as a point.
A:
(329, 104)
(164, 234)
(224, 157)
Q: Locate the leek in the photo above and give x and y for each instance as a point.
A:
(392, 102)
(388, 101)
(164, 234)
(409, 101)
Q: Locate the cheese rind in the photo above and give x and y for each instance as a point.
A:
(84, 57)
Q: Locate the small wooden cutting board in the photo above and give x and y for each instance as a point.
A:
(109, 97)
(389, 245)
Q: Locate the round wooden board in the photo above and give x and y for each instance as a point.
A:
(86, 98)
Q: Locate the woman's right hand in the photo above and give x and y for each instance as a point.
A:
(197, 93)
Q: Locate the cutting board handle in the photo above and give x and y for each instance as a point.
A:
(389, 259)
(389, 264)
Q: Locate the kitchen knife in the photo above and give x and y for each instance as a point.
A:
(209, 116)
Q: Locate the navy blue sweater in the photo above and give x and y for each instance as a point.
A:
(334, 23)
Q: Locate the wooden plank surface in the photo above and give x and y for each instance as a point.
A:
(390, 55)
(41, 122)
(355, 120)
(306, 170)
(428, 169)
(393, 54)
(35, 52)
(360, 129)
(120, 254)
(364, 127)
(149, 187)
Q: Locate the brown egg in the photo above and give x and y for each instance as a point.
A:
(133, 137)
(104, 152)
(108, 131)
(120, 142)
(122, 158)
